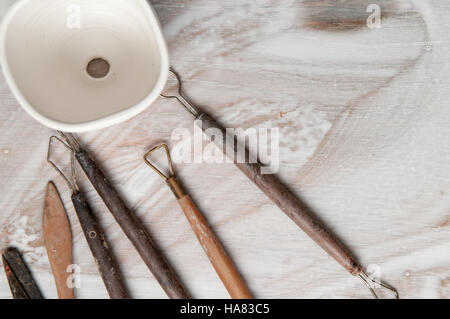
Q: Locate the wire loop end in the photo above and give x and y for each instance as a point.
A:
(371, 283)
(169, 160)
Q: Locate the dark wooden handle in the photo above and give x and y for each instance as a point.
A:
(104, 257)
(222, 263)
(284, 199)
(133, 229)
(20, 279)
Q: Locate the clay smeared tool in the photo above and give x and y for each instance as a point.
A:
(101, 251)
(130, 224)
(58, 241)
(278, 193)
(220, 260)
(19, 277)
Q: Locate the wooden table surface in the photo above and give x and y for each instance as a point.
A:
(364, 125)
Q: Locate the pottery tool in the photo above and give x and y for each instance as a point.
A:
(58, 241)
(276, 191)
(130, 224)
(101, 251)
(220, 260)
(19, 277)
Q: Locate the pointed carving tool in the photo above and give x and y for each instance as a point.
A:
(19, 277)
(58, 241)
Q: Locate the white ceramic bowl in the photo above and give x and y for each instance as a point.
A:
(46, 46)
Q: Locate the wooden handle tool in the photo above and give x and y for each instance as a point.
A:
(101, 250)
(20, 279)
(278, 193)
(58, 241)
(133, 228)
(216, 253)
(95, 236)
(283, 198)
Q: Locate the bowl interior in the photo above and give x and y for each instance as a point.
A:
(76, 61)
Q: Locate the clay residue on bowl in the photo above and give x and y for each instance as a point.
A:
(98, 68)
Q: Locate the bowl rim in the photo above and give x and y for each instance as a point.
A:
(102, 122)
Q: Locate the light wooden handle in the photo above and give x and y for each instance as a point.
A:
(220, 260)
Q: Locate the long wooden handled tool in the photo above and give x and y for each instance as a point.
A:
(278, 193)
(130, 224)
(58, 241)
(101, 250)
(220, 260)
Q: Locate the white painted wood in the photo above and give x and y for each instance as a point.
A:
(363, 119)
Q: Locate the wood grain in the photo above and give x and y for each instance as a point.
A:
(364, 141)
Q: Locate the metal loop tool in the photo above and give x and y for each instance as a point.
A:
(180, 96)
(371, 282)
(222, 263)
(72, 184)
(282, 196)
(169, 160)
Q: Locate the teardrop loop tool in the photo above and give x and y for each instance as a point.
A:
(222, 263)
(169, 160)
(278, 193)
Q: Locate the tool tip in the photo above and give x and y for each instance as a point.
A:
(373, 284)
